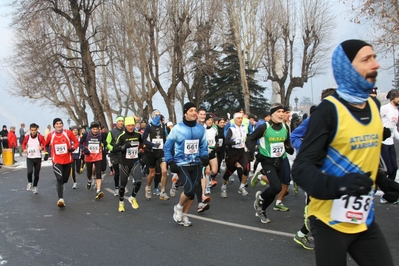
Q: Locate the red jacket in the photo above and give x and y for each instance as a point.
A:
(12, 139)
(60, 144)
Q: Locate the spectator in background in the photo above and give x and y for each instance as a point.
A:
(4, 134)
(12, 141)
(21, 138)
(295, 121)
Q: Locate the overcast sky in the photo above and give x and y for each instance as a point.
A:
(14, 111)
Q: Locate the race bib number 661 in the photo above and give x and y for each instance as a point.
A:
(191, 146)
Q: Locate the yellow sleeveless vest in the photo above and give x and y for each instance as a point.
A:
(355, 148)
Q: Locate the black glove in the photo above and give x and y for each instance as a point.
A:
(387, 133)
(71, 149)
(127, 145)
(86, 151)
(156, 145)
(205, 161)
(388, 186)
(45, 156)
(290, 150)
(355, 184)
(174, 168)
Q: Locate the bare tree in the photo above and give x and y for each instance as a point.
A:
(77, 15)
(290, 62)
(384, 18)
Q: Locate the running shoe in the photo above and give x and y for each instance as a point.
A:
(243, 191)
(263, 183)
(175, 178)
(134, 203)
(207, 190)
(202, 207)
(231, 179)
(177, 214)
(185, 221)
(126, 190)
(223, 192)
(156, 192)
(99, 195)
(121, 207)
(163, 196)
(383, 201)
(112, 174)
(258, 202)
(280, 207)
(173, 190)
(29, 187)
(147, 192)
(88, 186)
(116, 192)
(263, 218)
(254, 179)
(206, 199)
(305, 241)
(34, 190)
(214, 183)
(61, 203)
(75, 185)
(295, 189)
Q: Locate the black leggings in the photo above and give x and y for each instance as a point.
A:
(388, 154)
(75, 168)
(274, 173)
(368, 248)
(125, 172)
(61, 172)
(33, 164)
(116, 175)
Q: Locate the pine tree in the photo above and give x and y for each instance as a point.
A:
(224, 92)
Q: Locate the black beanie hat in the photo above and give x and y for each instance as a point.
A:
(187, 106)
(351, 47)
(57, 120)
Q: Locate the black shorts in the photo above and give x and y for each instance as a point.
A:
(212, 155)
(154, 158)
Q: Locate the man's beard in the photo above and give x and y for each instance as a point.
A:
(372, 75)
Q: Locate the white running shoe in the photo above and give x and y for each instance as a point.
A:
(177, 214)
(116, 192)
(75, 185)
(29, 187)
(243, 191)
(173, 190)
(34, 190)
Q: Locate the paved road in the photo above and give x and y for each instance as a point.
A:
(34, 231)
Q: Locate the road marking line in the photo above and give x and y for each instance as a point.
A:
(252, 228)
(267, 231)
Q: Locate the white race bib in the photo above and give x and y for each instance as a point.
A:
(94, 147)
(33, 152)
(277, 149)
(60, 148)
(220, 142)
(211, 142)
(351, 209)
(132, 153)
(191, 146)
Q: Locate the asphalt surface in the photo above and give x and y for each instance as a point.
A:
(34, 231)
